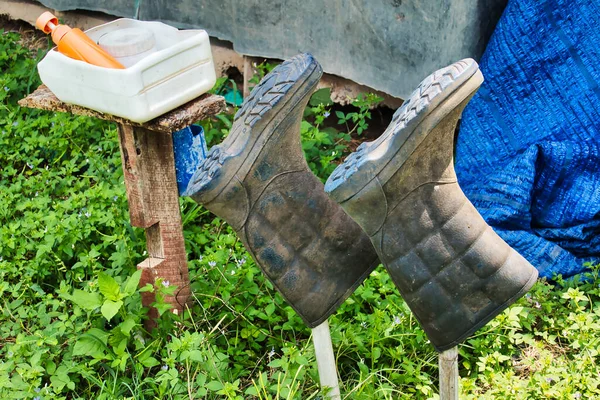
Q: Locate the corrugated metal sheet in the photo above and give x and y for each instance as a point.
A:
(389, 45)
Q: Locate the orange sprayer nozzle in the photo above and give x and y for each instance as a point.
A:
(74, 43)
(46, 22)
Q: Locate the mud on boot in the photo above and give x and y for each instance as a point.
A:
(453, 270)
(259, 182)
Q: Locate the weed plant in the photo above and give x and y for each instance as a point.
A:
(71, 325)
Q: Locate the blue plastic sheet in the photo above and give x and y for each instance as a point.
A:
(528, 151)
(189, 148)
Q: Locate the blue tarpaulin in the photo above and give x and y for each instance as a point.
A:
(528, 151)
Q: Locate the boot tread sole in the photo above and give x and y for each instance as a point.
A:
(360, 167)
(263, 98)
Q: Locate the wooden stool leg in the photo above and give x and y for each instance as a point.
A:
(149, 170)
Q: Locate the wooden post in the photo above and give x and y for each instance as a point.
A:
(248, 72)
(149, 171)
(448, 363)
(326, 360)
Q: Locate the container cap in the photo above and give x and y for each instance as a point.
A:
(46, 22)
(127, 42)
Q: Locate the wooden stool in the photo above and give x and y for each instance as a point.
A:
(149, 171)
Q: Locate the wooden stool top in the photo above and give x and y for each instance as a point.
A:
(200, 108)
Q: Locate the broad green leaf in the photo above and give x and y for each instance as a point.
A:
(145, 357)
(270, 308)
(214, 385)
(109, 287)
(86, 300)
(132, 283)
(196, 355)
(376, 352)
(301, 360)
(147, 288)
(93, 253)
(50, 366)
(92, 343)
(305, 127)
(127, 325)
(60, 378)
(321, 96)
(162, 307)
(308, 144)
(149, 362)
(110, 308)
(276, 363)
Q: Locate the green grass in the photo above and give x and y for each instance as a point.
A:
(67, 249)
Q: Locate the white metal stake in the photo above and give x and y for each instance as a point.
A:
(448, 362)
(326, 360)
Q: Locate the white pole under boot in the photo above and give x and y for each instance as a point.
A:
(448, 362)
(326, 360)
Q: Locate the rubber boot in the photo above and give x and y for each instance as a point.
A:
(453, 271)
(259, 182)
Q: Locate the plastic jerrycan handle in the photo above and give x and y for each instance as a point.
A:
(73, 43)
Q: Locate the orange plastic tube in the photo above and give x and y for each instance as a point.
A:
(72, 42)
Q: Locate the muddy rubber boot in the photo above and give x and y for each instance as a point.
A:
(454, 272)
(259, 182)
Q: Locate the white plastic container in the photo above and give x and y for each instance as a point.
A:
(177, 69)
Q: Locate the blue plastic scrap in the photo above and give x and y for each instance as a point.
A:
(528, 151)
(189, 146)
